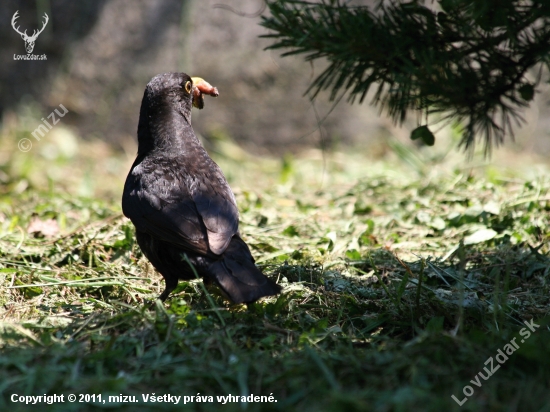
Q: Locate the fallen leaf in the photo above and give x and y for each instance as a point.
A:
(46, 228)
(480, 236)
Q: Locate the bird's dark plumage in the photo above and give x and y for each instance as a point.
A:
(179, 201)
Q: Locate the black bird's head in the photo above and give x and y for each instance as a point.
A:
(179, 90)
(169, 97)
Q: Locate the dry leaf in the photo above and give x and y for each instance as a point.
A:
(46, 228)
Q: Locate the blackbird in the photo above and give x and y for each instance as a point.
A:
(179, 200)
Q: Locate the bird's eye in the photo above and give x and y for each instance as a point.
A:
(188, 87)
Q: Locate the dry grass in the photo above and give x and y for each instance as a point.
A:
(401, 278)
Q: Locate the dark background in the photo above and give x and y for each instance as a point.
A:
(101, 54)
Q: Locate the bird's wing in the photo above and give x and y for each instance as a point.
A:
(216, 205)
(180, 208)
(158, 205)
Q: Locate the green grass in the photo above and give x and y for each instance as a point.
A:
(399, 284)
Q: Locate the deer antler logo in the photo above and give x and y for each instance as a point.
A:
(29, 40)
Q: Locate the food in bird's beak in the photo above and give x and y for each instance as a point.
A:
(200, 88)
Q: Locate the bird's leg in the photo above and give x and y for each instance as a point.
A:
(171, 284)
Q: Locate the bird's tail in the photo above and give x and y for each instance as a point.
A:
(238, 276)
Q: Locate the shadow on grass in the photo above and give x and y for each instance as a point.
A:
(307, 353)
